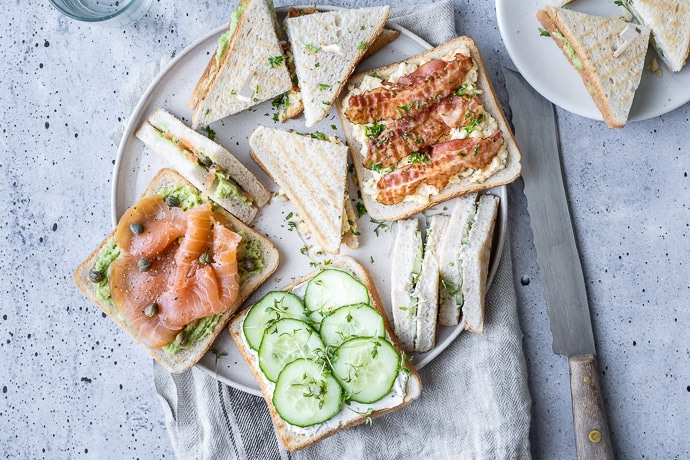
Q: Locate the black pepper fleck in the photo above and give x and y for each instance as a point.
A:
(4, 389)
(525, 280)
(46, 43)
(55, 227)
(86, 379)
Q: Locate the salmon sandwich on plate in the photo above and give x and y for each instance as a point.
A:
(174, 270)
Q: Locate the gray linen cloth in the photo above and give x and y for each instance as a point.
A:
(475, 403)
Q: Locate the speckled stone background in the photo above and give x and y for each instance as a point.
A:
(74, 385)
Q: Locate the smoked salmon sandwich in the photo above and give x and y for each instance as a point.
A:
(426, 130)
(174, 270)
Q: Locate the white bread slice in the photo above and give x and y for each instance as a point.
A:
(294, 438)
(313, 175)
(611, 81)
(406, 261)
(171, 139)
(450, 260)
(245, 62)
(322, 73)
(186, 357)
(475, 263)
(427, 286)
(490, 102)
(669, 21)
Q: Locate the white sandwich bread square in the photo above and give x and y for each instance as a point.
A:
(326, 48)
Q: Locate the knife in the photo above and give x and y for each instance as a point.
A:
(536, 133)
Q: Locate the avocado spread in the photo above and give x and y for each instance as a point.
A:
(568, 48)
(227, 188)
(224, 40)
(188, 198)
(109, 253)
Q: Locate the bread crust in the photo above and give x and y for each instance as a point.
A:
(291, 440)
(490, 102)
(186, 357)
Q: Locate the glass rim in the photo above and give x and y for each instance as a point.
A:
(106, 17)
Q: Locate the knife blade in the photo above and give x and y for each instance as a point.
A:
(560, 269)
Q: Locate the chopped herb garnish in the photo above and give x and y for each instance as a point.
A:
(318, 135)
(545, 33)
(312, 48)
(375, 130)
(275, 61)
(418, 158)
(361, 209)
(361, 46)
(324, 86)
(209, 132)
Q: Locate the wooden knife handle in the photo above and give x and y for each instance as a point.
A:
(591, 430)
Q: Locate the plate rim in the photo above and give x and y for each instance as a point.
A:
(132, 125)
(588, 110)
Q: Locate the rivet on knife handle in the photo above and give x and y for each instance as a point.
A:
(592, 437)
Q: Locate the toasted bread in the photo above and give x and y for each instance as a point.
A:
(669, 21)
(589, 42)
(246, 63)
(313, 174)
(322, 71)
(185, 357)
(292, 437)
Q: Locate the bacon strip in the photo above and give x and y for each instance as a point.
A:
(412, 94)
(447, 160)
(405, 136)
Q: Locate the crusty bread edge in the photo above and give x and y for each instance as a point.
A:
(291, 443)
(187, 357)
(549, 19)
(351, 68)
(490, 102)
(318, 235)
(487, 210)
(203, 86)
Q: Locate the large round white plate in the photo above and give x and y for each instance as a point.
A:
(545, 67)
(136, 165)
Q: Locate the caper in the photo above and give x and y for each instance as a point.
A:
(151, 310)
(205, 259)
(136, 228)
(172, 201)
(96, 276)
(204, 160)
(249, 264)
(144, 264)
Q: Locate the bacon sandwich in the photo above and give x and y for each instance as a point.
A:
(426, 130)
(174, 270)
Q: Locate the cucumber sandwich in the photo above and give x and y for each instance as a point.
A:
(324, 354)
(442, 281)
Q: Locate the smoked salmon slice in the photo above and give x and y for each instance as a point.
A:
(175, 267)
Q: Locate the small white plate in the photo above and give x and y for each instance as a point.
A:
(545, 67)
(136, 166)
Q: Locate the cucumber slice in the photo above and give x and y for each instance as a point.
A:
(306, 393)
(359, 320)
(272, 307)
(331, 289)
(285, 341)
(366, 368)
